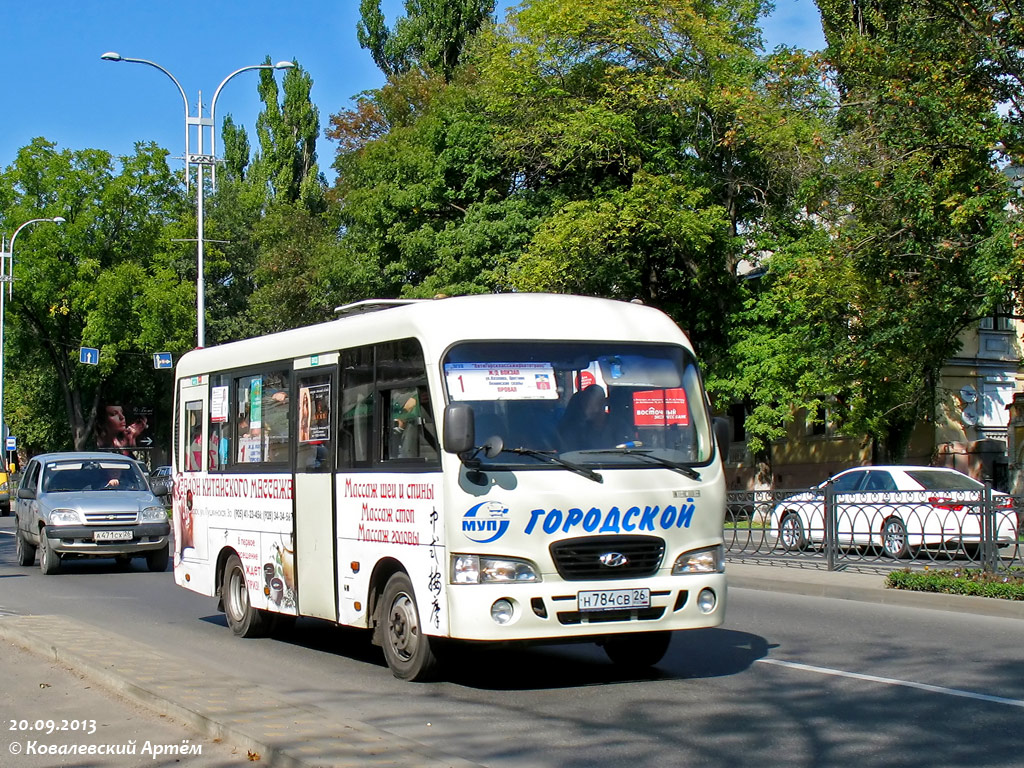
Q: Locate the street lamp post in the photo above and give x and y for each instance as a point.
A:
(200, 159)
(7, 276)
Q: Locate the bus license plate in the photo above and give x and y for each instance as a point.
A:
(112, 536)
(613, 599)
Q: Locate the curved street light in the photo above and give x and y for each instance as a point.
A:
(200, 159)
(7, 276)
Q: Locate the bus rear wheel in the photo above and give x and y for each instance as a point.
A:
(407, 649)
(244, 620)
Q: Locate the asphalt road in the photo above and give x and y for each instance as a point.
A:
(789, 680)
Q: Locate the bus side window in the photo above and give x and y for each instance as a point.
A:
(407, 431)
(355, 421)
(412, 434)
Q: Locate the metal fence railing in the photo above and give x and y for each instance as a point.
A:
(978, 528)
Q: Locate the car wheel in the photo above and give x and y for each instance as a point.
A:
(894, 538)
(24, 550)
(791, 533)
(406, 648)
(157, 559)
(49, 561)
(638, 650)
(244, 620)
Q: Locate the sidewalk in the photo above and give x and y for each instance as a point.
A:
(864, 584)
(221, 706)
(49, 705)
(76, 672)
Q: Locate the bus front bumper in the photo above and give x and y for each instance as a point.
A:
(559, 610)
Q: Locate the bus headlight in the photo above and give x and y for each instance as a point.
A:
(481, 569)
(65, 517)
(709, 560)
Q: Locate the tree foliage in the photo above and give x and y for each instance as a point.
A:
(431, 36)
(919, 209)
(104, 279)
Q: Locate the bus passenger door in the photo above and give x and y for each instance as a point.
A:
(314, 440)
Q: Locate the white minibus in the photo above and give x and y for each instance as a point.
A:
(496, 468)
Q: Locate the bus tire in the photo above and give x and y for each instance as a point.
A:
(244, 620)
(407, 649)
(637, 650)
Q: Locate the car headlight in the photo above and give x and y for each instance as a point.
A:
(480, 569)
(709, 560)
(154, 515)
(65, 517)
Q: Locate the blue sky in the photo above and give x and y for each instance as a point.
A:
(55, 85)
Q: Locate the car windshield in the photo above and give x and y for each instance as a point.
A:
(935, 480)
(591, 403)
(74, 476)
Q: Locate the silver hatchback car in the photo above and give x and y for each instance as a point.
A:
(89, 505)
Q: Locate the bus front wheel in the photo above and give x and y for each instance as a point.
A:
(406, 648)
(637, 650)
(244, 620)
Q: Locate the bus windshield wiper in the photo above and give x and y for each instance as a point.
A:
(494, 445)
(550, 457)
(630, 449)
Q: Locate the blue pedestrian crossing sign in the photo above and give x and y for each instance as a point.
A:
(162, 360)
(89, 356)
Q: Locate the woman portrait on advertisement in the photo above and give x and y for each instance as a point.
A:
(113, 429)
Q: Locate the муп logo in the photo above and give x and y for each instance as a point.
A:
(613, 559)
(486, 522)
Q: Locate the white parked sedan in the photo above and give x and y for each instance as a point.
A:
(898, 508)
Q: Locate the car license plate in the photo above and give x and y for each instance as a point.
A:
(613, 599)
(112, 536)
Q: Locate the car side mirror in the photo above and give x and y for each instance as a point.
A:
(26, 493)
(459, 428)
(160, 486)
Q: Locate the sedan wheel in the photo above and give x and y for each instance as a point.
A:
(894, 538)
(791, 533)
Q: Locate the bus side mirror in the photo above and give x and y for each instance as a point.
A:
(722, 434)
(459, 428)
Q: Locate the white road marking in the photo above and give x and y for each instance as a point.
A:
(891, 681)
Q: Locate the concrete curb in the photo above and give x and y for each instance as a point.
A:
(284, 733)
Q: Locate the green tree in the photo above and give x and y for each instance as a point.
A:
(270, 226)
(667, 145)
(424, 192)
(104, 279)
(919, 207)
(432, 35)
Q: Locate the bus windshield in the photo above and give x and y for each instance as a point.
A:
(602, 404)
